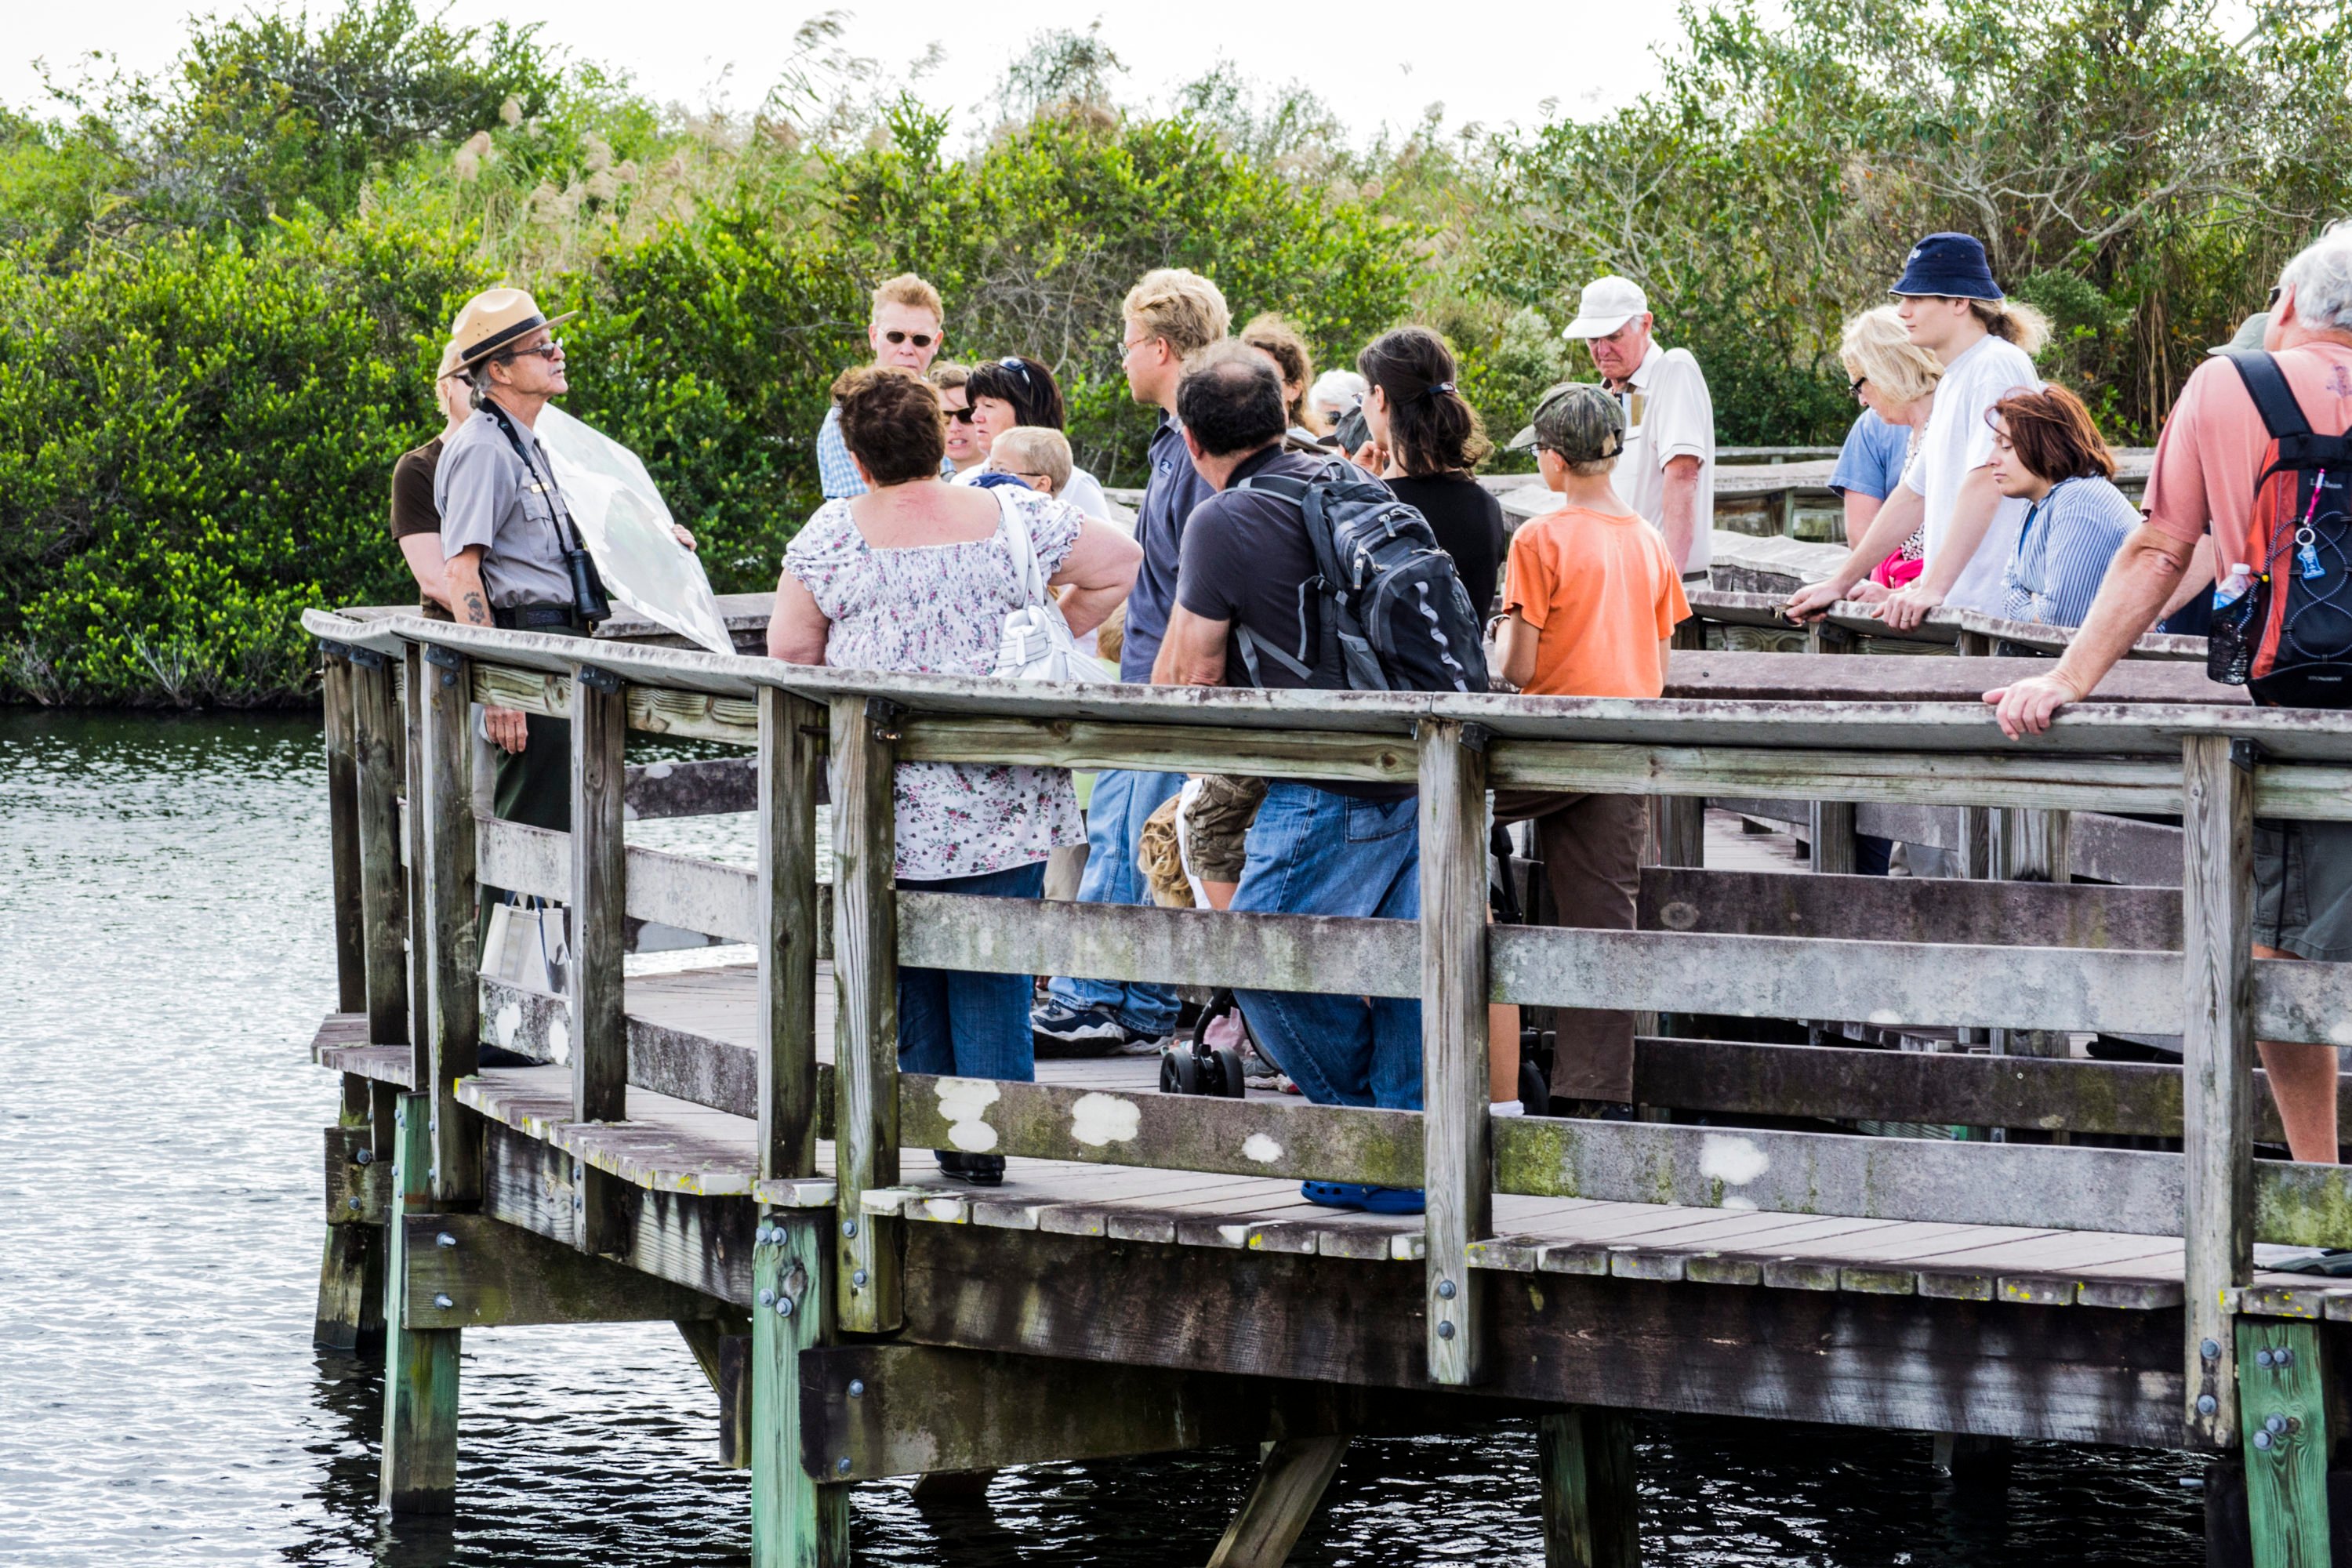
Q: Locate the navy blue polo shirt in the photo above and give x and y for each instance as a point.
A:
(1171, 491)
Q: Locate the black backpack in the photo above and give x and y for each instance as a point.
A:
(1393, 612)
(2288, 639)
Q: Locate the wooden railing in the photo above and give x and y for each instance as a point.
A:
(2027, 956)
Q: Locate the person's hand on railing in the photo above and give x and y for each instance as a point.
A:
(1869, 591)
(506, 729)
(2027, 707)
(1812, 601)
(1906, 607)
(677, 532)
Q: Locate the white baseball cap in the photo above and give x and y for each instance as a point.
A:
(1608, 303)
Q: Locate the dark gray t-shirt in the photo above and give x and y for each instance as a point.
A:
(1245, 556)
(1171, 492)
(488, 496)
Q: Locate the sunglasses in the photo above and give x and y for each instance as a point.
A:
(960, 415)
(1013, 362)
(550, 351)
(921, 340)
(1856, 386)
(2277, 290)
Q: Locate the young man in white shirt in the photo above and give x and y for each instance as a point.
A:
(1952, 308)
(1667, 474)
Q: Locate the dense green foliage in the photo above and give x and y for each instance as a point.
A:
(226, 286)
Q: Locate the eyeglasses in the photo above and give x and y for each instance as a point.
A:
(921, 340)
(1128, 345)
(550, 351)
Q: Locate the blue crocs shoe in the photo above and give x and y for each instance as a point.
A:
(1390, 1200)
(1334, 1194)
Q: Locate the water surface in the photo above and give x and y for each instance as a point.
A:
(165, 956)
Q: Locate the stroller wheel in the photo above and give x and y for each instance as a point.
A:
(1180, 1072)
(1226, 1063)
(1535, 1094)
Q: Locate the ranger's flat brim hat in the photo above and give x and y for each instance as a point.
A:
(497, 319)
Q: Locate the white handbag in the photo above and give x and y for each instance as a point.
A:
(1036, 643)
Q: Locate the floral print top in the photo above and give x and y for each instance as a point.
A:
(940, 609)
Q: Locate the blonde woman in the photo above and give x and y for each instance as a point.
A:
(1986, 341)
(1894, 380)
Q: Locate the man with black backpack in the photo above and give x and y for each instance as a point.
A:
(1304, 573)
(2255, 451)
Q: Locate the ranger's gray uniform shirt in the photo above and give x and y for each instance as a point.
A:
(489, 497)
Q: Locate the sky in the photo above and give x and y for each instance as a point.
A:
(1378, 62)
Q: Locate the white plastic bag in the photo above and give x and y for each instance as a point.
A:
(527, 946)
(626, 526)
(1036, 643)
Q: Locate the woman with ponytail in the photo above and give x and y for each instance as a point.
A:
(1433, 438)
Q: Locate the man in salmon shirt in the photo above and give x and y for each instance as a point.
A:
(2207, 459)
(1590, 603)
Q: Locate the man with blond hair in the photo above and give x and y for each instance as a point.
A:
(904, 328)
(1168, 316)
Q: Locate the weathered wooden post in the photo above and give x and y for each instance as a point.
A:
(1678, 822)
(350, 1265)
(2216, 1060)
(448, 1047)
(866, 992)
(1592, 1513)
(600, 1025)
(1455, 1124)
(1834, 851)
(343, 828)
(797, 1521)
(419, 1472)
(384, 882)
(412, 752)
(2031, 845)
(791, 760)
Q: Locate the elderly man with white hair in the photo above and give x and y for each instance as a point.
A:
(2213, 475)
(1667, 470)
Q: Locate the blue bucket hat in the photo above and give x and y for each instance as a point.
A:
(1951, 265)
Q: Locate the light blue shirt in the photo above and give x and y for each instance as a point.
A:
(2063, 550)
(835, 469)
(1871, 461)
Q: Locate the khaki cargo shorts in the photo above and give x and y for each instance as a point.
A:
(1217, 823)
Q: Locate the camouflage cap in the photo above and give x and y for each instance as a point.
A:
(1580, 421)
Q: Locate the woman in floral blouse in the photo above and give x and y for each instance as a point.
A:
(917, 575)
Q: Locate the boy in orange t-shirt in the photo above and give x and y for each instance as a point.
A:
(1589, 604)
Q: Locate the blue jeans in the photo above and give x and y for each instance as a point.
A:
(1115, 818)
(959, 1023)
(1312, 852)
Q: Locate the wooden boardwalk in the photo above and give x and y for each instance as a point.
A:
(2072, 1255)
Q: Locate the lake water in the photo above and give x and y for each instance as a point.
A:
(165, 956)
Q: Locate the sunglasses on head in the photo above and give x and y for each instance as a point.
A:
(1013, 364)
(921, 340)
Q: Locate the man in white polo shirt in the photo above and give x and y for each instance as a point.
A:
(1667, 473)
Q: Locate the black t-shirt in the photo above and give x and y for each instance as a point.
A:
(1468, 522)
(1246, 554)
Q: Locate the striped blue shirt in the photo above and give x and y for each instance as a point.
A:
(2063, 550)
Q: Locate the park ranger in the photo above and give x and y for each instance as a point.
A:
(505, 534)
